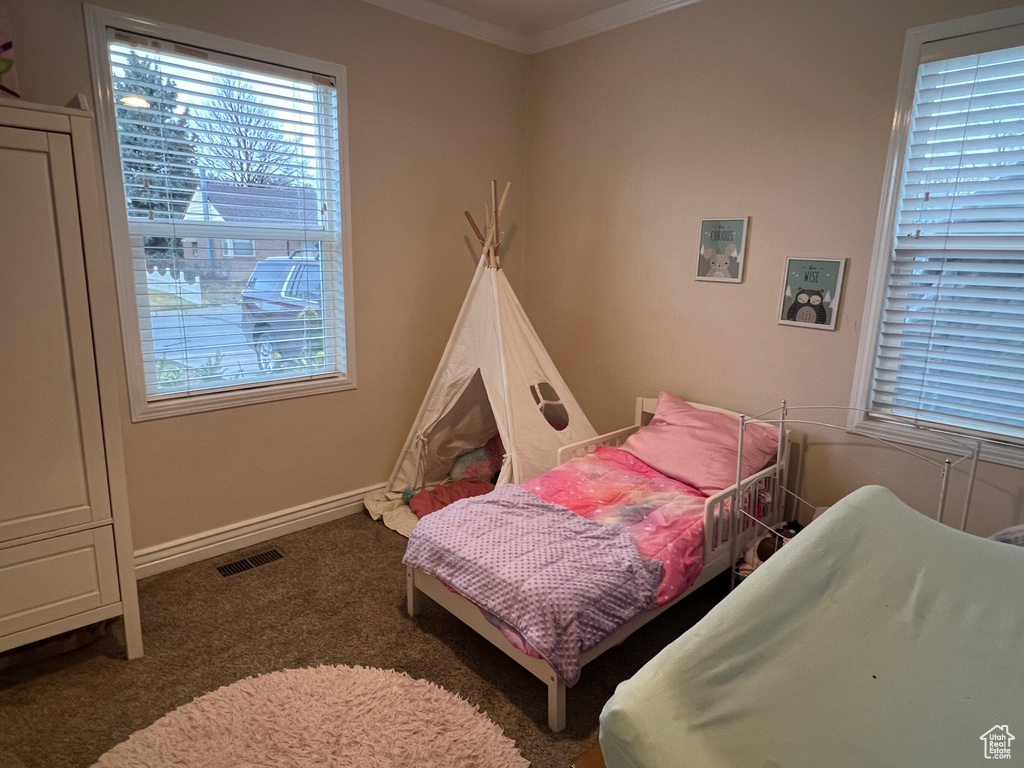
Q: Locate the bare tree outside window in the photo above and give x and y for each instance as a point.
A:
(245, 141)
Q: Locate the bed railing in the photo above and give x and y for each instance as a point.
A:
(761, 503)
(584, 447)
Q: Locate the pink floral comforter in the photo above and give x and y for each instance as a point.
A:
(664, 517)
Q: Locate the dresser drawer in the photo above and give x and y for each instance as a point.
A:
(52, 579)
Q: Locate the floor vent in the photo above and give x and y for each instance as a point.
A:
(252, 561)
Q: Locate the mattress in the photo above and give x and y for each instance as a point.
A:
(877, 637)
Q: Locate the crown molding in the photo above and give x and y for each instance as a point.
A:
(431, 13)
(610, 18)
(602, 21)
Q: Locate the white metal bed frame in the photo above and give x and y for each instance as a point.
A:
(961, 447)
(727, 528)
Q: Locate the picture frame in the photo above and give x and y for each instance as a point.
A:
(722, 249)
(811, 292)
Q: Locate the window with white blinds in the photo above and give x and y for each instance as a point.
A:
(949, 352)
(230, 215)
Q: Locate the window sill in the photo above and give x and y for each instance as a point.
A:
(951, 444)
(257, 393)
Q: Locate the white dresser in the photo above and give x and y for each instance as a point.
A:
(65, 543)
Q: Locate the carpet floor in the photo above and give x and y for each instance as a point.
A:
(336, 597)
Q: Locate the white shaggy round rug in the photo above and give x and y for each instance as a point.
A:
(321, 716)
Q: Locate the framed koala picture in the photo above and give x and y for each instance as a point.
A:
(723, 246)
(810, 293)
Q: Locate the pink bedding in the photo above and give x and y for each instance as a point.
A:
(665, 517)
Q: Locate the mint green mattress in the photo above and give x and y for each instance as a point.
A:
(877, 637)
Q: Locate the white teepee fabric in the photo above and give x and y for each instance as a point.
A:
(490, 378)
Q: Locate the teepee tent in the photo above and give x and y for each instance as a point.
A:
(495, 377)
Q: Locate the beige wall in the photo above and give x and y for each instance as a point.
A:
(777, 110)
(433, 116)
(616, 147)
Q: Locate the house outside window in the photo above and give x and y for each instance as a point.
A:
(224, 162)
(942, 350)
(240, 248)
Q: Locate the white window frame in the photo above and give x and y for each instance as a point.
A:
(860, 420)
(143, 407)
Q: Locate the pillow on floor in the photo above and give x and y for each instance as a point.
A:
(432, 499)
(483, 463)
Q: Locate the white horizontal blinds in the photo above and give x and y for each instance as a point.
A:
(951, 347)
(232, 186)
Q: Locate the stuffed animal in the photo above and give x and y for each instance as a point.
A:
(1013, 535)
(766, 545)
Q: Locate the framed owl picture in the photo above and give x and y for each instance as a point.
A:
(811, 291)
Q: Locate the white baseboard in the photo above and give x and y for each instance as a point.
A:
(175, 554)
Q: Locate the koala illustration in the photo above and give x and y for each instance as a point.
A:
(719, 262)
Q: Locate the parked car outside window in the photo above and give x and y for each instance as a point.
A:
(282, 311)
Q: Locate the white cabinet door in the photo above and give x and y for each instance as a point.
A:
(57, 577)
(52, 466)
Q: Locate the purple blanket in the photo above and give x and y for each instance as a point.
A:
(563, 582)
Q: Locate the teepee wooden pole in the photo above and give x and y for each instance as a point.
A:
(476, 229)
(492, 241)
(488, 251)
(504, 195)
(499, 205)
(497, 230)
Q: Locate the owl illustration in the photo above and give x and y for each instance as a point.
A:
(807, 307)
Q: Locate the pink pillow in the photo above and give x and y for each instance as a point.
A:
(698, 447)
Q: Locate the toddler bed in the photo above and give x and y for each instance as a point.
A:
(877, 637)
(572, 562)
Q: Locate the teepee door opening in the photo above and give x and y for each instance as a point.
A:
(467, 424)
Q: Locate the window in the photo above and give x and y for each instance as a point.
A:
(240, 248)
(226, 174)
(943, 346)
